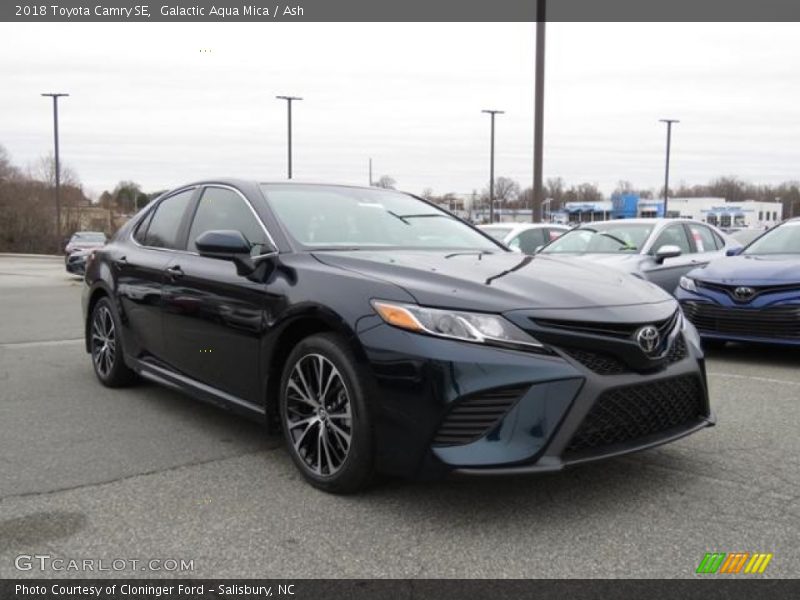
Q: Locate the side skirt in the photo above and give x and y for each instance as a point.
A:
(196, 389)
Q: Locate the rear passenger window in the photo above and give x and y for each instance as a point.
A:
(703, 238)
(163, 229)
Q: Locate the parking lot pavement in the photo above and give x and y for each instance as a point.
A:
(87, 472)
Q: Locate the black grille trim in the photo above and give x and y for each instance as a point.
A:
(779, 322)
(618, 330)
(472, 417)
(626, 414)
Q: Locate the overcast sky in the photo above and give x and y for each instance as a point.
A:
(146, 104)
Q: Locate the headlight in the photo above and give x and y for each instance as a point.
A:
(688, 284)
(466, 326)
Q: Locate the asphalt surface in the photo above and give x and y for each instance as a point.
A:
(92, 473)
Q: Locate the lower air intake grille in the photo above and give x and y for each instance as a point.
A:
(628, 413)
(474, 416)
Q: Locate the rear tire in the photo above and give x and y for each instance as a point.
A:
(325, 415)
(105, 346)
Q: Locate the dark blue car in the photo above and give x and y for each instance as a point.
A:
(753, 296)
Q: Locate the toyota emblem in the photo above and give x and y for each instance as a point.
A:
(648, 339)
(743, 293)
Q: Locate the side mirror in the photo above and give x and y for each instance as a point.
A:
(735, 251)
(667, 251)
(223, 244)
(229, 245)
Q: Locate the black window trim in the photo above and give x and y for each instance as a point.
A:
(188, 218)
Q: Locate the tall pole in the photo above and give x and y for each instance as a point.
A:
(538, 114)
(55, 97)
(669, 123)
(370, 172)
(289, 100)
(492, 114)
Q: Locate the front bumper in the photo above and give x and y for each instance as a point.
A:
(422, 382)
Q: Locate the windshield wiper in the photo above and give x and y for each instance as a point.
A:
(467, 253)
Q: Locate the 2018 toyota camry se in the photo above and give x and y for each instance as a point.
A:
(382, 334)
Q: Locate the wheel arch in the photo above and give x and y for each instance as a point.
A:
(99, 291)
(308, 321)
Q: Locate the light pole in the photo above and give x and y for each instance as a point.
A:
(492, 113)
(55, 96)
(669, 123)
(546, 203)
(289, 100)
(538, 113)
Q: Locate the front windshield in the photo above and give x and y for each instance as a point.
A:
(602, 238)
(498, 233)
(332, 217)
(784, 239)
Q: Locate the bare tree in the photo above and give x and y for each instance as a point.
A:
(506, 190)
(44, 170)
(385, 182)
(7, 170)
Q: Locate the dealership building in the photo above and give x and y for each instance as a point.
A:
(716, 211)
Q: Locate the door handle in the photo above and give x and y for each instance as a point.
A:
(120, 262)
(175, 272)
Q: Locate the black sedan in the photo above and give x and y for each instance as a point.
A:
(382, 334)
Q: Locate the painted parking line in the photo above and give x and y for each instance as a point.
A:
(754, 378)
(44, 343)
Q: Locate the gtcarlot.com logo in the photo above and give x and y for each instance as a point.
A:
(46, 562)
(734, 563)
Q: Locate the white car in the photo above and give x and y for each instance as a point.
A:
(524, 237)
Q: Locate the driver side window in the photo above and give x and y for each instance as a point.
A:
(673, 235)
(221, 208)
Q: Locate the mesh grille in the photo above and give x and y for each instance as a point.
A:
(473, 417)
(607, 364)
(635, 411)
(782, 322)
(599, 362)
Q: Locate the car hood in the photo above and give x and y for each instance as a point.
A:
(626, 262)
(755, 270)
(498, 282)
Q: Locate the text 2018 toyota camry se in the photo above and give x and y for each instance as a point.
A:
(382, 334)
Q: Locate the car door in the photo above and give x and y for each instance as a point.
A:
(139, 273)
(668, 272)
(214, 318)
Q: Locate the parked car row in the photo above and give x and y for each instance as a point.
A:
(743, 286)
(381, 334)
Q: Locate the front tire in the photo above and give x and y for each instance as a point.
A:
(325, 415)
(105, 345)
